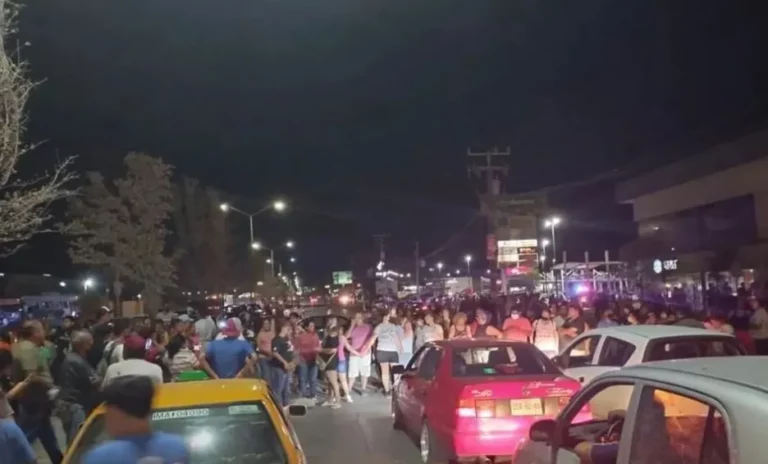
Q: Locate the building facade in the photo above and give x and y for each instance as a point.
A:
(704, 219)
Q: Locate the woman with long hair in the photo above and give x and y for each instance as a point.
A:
(406, 328)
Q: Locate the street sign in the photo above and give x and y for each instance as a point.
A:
(342, 277)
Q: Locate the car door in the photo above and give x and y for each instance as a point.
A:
(404, 389)
(614, 353)
(422, 383)
(578, 360)
(573, 422)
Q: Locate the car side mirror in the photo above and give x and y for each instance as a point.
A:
(398, 369)
(559, 361)
(297, 410)
(542, 431)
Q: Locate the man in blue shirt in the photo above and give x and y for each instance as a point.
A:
(230, 357)
(128, 402)
(14, 446)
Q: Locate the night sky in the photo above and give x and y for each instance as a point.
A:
(360, 111)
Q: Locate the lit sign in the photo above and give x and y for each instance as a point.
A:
(514, 251)
(660, 266)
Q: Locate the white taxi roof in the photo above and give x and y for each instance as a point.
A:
(656, 331)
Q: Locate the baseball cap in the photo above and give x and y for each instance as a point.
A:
(133, 342)
(230, 329)
(184, 318)
(131, 394)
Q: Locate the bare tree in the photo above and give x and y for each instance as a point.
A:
(203, 245)
(24, 203)
(121, 226)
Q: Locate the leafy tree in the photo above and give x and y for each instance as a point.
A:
(24, 203)
(203, 246)
(121, 226)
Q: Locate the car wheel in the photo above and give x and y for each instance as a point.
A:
(397, 416)
(427, 446)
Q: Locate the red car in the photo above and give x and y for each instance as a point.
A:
(470, 399)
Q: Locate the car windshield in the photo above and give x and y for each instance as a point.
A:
(233, 434)
(683, 348)
(494, 360)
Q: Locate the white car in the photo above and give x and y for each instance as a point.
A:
(603, 350)
(707, 411)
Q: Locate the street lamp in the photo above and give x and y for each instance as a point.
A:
(278, 205)
(468, 259)
(439, 266)
(255, 246)
(87, 283)
(62, 284)
(293, 260)
(552, 223)
(269, 260)
(290, 244)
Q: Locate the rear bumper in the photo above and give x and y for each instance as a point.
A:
(489, 437)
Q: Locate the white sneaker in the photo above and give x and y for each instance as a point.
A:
(328, 403)
(348, 399)
(335, 405)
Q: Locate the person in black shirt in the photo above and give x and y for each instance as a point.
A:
(101, 333)
(79, 386)
(282, 364)
(573, 326)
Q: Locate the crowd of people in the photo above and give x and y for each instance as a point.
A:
(68, 371)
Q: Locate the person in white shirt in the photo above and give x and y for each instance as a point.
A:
(134, 350)
(206, 329)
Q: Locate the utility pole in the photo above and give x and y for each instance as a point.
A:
(489, 169)
(492, 189)
(380, 240)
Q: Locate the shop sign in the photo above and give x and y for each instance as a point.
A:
(660, 266)
(515, 251)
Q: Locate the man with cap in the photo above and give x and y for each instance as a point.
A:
(133, 363)
(128, 402)
(231, 356)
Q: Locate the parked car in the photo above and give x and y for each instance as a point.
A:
(708, 411)
(219, 418)
(602, 350)
(476, 398)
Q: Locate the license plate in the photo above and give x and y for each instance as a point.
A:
(529, 407)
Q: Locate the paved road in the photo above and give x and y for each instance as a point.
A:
(357, 433)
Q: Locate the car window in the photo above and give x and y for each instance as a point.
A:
(413, 364)
(682, 429)
(582, 353)
(500, 360)
(241, 432)
(692, 347)
(429, 363)
(600, 401)
(615, 352)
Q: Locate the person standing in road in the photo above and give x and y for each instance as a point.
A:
(35, 405)
(545, 336)
(359, 364)
(573, 326)
(307, 344)
(758, 326)
(282, 365)
(128, 402)
(206, 328)
(230, 357)
(79, 385)
(101, 332)
(264, 347)
(517, 328)
(134, 364)
(388, 349)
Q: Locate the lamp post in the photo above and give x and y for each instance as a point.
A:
(552, 223)
(468, 259)
(277, 205)
(255, 245)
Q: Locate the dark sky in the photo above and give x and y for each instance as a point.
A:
(361, 110)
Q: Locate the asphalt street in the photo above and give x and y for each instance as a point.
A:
(360, 432)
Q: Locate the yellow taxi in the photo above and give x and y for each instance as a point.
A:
(223, 421)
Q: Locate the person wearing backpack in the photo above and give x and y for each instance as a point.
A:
(113, 350)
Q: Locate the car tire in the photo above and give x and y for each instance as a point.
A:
(427, 447)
